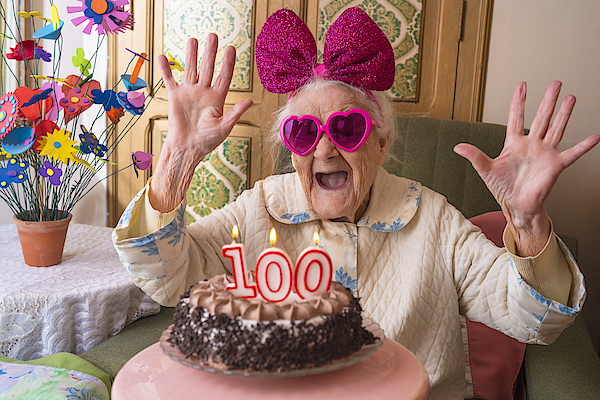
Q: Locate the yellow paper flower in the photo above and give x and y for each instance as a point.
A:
(58, 146)
(5, 154)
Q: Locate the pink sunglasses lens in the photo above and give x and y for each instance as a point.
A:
(300, 135)
(348, 131)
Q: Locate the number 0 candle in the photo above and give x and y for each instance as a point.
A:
(313, 271)
(274, 272)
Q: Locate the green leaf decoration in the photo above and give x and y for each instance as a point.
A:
(80, 61)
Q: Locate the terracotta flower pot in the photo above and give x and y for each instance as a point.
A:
(42, 243)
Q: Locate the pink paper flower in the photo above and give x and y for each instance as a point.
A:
(107, 15)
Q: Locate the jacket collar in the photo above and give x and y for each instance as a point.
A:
(394, 202)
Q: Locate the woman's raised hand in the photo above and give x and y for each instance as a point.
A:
(197, 124)
(523, 175)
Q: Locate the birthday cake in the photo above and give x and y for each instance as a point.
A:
(221, 331)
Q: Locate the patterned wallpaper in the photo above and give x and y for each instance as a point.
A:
(400, 20)
(231, 20)
(219, 179)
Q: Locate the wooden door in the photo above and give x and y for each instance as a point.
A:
(442, 43)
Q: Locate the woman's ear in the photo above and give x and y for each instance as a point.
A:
(383, 143)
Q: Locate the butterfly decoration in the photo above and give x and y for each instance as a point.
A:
(107, 98)
(13, 173)
(174, 64)
(141, 161)
(43, 95)
(42, 54)
(80, 61)
(90, 143)
(32, 14)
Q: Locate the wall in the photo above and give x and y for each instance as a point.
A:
(539, 41)
(92, 208)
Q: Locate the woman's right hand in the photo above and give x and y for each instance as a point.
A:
(197, 124)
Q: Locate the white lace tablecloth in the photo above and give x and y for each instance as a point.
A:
(72, 306)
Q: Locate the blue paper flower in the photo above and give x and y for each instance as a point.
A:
(53, 174)
(97, 17)
(13, 173)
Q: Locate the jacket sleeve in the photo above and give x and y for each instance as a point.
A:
(164, 255)
(491, 287)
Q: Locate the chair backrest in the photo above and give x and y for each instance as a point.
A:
(424, 153)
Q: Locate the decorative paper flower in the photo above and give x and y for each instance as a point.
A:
(23, 50)
(107, 15)
(43, 54)
(9, 107)
(58, 146)
(13, 173)
(42, 129)
(5, 154)
(74, 101)
(108, 99)
(80, 61)
(90, 143)
(132, 102)
(141, 160)
(53, 174)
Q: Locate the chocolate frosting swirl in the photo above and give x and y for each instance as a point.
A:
(214, 296)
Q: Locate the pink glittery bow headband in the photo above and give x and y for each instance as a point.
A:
(356, 52)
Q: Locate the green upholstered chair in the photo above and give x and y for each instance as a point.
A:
(567, 369)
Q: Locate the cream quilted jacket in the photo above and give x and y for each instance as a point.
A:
(415, 262)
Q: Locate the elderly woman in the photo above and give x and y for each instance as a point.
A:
(414, 260)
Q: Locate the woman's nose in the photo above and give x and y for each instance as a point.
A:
(325, 148)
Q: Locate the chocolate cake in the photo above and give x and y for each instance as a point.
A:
(224, 332)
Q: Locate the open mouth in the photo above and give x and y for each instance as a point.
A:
(333, 180)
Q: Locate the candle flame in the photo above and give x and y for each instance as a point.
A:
(235, 232)
(316, 238)
(273, 237)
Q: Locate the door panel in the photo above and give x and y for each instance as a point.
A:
(441, 49)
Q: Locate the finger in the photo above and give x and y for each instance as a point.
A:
(224, 79)
(232, 116)
(571, 155)
(207, 68)
(190, 75)
(540, 124)
(555, 134)
(167, 74)
(516, 115)
(480, 161)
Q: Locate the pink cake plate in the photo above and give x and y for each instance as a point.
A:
(391, 372)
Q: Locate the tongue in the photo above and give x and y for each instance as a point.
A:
(333, 180)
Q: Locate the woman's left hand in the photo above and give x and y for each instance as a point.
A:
(523, 175)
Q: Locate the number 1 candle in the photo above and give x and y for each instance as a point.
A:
(235, 252)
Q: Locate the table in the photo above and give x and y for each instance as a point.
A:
(392, 372)
(69, 307)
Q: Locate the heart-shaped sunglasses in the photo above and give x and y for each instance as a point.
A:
(347, 130)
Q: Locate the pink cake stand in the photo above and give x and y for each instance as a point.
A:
(392, 372)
